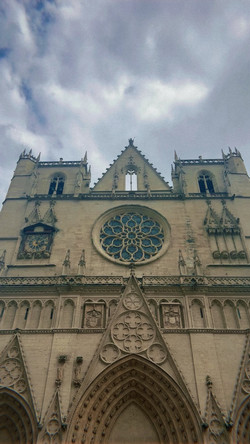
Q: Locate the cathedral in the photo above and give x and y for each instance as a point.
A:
(125, 307)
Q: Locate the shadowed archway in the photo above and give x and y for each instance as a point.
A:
(134, 386)
(17, 422)
(242, 429)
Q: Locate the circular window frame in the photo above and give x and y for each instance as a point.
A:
(127, 209)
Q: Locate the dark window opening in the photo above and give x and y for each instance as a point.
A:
(56, 185)
(205, 184)
(2, 312)
(51, 313)
(26, 314)
(201, 312)
(238, 311)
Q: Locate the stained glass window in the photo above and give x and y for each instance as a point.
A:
(131, 237)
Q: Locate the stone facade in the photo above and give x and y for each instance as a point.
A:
(124, 308)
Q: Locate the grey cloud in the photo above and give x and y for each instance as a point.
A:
(73, 76)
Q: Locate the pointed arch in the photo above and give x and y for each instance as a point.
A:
(217, 314)
(48, 314)
(23, 314)
(242, 312)
(230, 315)
(35, 314)
(68, 313)
(134, 380)
(10, 315)
(242, 428)
(17, 421)
(198, 314)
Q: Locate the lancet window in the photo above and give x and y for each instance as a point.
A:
(205, 183)
(56, 185)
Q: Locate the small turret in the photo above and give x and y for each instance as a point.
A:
(235, 163)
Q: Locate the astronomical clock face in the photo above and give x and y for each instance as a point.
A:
(36, 243)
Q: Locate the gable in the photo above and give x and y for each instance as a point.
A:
(131, 163)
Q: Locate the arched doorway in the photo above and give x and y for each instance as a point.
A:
(17, 424)
(134, 401)
(242, 424)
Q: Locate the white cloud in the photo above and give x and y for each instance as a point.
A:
(156, 100)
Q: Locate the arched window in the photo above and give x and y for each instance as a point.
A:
(217, 315)
(198, 315)
(35, 315)
(205, 183)
(242, 313)
(68, 313)
(48, 314)
(131, 181)
(10, 315)
(23, 314)
(2, 309)
(56, 185)
(230, 315)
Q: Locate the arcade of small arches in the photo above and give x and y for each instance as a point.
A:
(46, 314)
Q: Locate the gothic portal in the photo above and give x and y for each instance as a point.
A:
(124, 308)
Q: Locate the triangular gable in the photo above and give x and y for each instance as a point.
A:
(132, 331)
(13, 371)
(212, 220)
(217, 426)
(131, 159)
(242, 387)
(52, 424)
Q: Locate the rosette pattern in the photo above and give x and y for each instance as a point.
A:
(131, 237)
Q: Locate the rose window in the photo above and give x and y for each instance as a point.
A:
(131, 237)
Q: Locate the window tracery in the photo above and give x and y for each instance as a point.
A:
(131, 237)
(56, 185)
(205, 182)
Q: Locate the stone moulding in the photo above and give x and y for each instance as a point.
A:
(147, 281)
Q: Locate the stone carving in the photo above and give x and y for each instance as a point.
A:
(2, 261)
(122, 384)
(156, 353)
(171, 315)
(77, 371)
(133, 332)
(51, 432)
(13, 372)
(132, 301)
(82, 264)
(60, 370)
(94, 315)
(66, 263)
(110, 353)
(37, 235)
(225, 234)
(217, 427)
(246, 380)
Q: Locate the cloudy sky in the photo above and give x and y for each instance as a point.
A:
(79, 75)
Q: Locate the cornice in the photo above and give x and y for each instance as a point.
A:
(83, 284)
(102, 330)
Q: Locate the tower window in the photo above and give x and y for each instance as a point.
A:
(56, 185)
(205, 184)
(131, 181)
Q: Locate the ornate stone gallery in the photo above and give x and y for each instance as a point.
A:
(125, 307)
